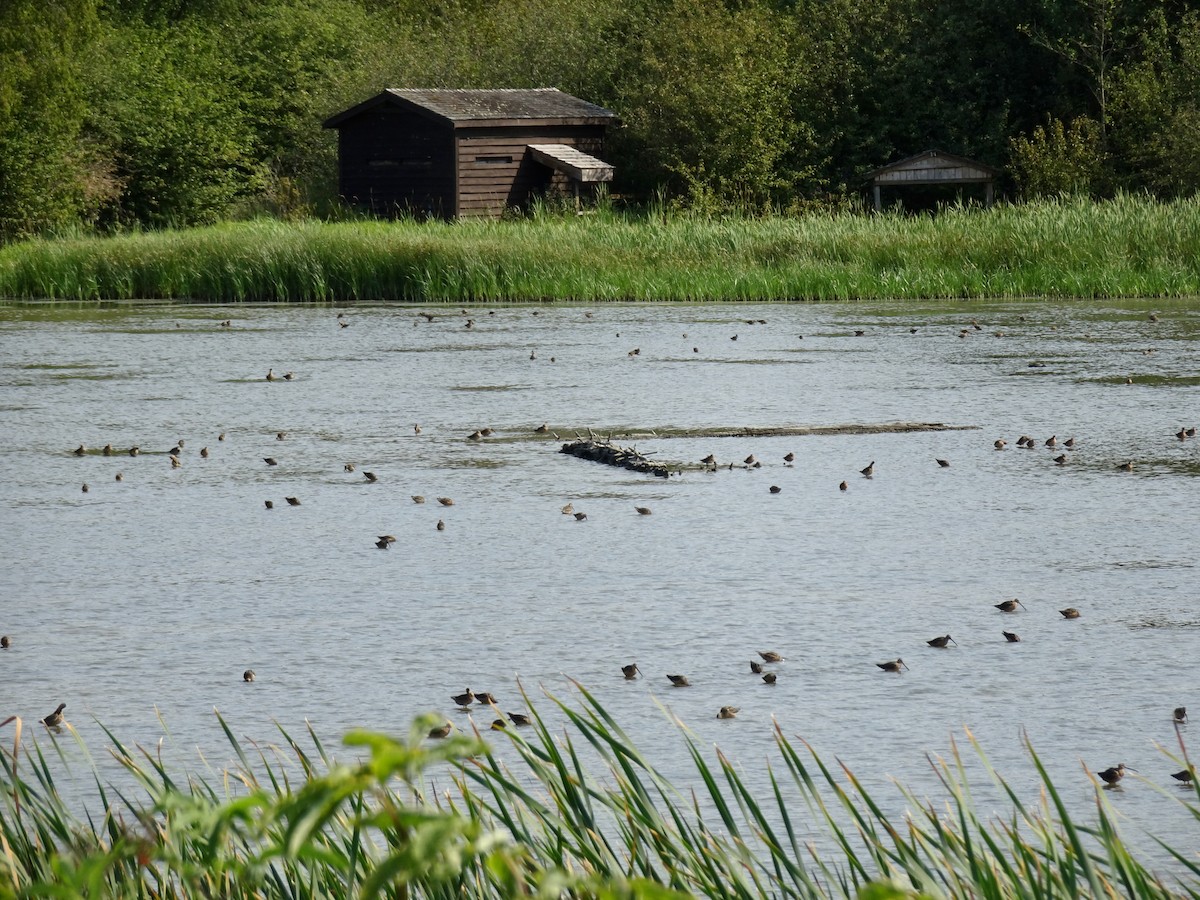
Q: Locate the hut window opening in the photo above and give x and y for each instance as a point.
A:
(494, 160)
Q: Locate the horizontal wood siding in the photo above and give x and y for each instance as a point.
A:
(495, 171)
(391, 160)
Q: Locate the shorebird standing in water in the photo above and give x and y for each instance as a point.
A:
(55, 718)
(770, 656)
(869, 471)
(1069, 613)
(1113, 775)
(728, 712)
(756, 667)
(464, 699)
(631, 671)
(942, 641)
(1186, 776)
(438, 733)
(248, 676)
(892, 665)
(1009, 605)
(1010, 637)
(679, 680)
(1181, 714)
(769, 677)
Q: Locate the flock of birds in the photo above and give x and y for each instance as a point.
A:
(1110, 776)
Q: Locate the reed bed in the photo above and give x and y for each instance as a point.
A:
(294, 822)
(1126, 247)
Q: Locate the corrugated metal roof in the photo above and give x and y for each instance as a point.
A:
(500, 103)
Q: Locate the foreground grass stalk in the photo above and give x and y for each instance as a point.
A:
(576, 813)
(1127, 247)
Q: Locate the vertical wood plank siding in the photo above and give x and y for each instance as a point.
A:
(393, 161)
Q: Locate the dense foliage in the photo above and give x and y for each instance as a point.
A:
(123, 113)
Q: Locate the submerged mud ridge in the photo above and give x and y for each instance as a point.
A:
(612, 455)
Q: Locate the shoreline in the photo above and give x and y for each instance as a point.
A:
(1125, 248)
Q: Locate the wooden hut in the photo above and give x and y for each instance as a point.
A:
(933, 167)
(463, 153)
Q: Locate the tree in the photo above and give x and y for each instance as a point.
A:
(48, 176)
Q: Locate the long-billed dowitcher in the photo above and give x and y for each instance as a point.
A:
(55, 718)
(1069, 613)
(445, 501)
(769, 677)
(441, 525)
(770, 656)
(520, 719)
(843, 486)
(5, 642)
(643, 510)
(1010, 637)
(942, 641)
(371, 477)
(81, 450)
(383, 544)
(631, 671)
(292, 501)
(679, 680)
(869, 471)
(728, 712)
(756, 667)
(442, 731)
(417, 498)
(1009, 605)
(248, 675)
(270, 460)
(895, 665)
(1180, 714)
(1114, 774)
(464, 699)
(1186, 776)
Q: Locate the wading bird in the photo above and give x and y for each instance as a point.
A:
(892, 665)
(1069, 613)
(679, 680)
(1010, 605)
(55, 718)
(942, 641)
(631, 671)
(728, 712)
(248, 675)
(1010, 637)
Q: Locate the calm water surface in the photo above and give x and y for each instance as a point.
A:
(148, 597)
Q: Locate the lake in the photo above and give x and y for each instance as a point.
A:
(148, 597)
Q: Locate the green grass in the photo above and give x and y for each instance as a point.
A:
(1128, 247)
(579, 813)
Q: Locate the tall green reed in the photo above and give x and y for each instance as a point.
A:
(578, 812)
(1069, 248)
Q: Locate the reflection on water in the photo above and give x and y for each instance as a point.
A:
(153, 594)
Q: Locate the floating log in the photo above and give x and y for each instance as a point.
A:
(612, 455)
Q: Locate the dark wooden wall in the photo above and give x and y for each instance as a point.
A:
(391, 160)
(495, 171)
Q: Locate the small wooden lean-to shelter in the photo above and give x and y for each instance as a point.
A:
(936, 168)
(462, 153)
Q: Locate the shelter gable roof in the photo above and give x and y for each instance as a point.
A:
(931, 161)
(485, 106)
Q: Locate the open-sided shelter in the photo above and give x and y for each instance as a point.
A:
(933, 167)
(456, 153)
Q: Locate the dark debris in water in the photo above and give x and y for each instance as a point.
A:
(613, 455)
